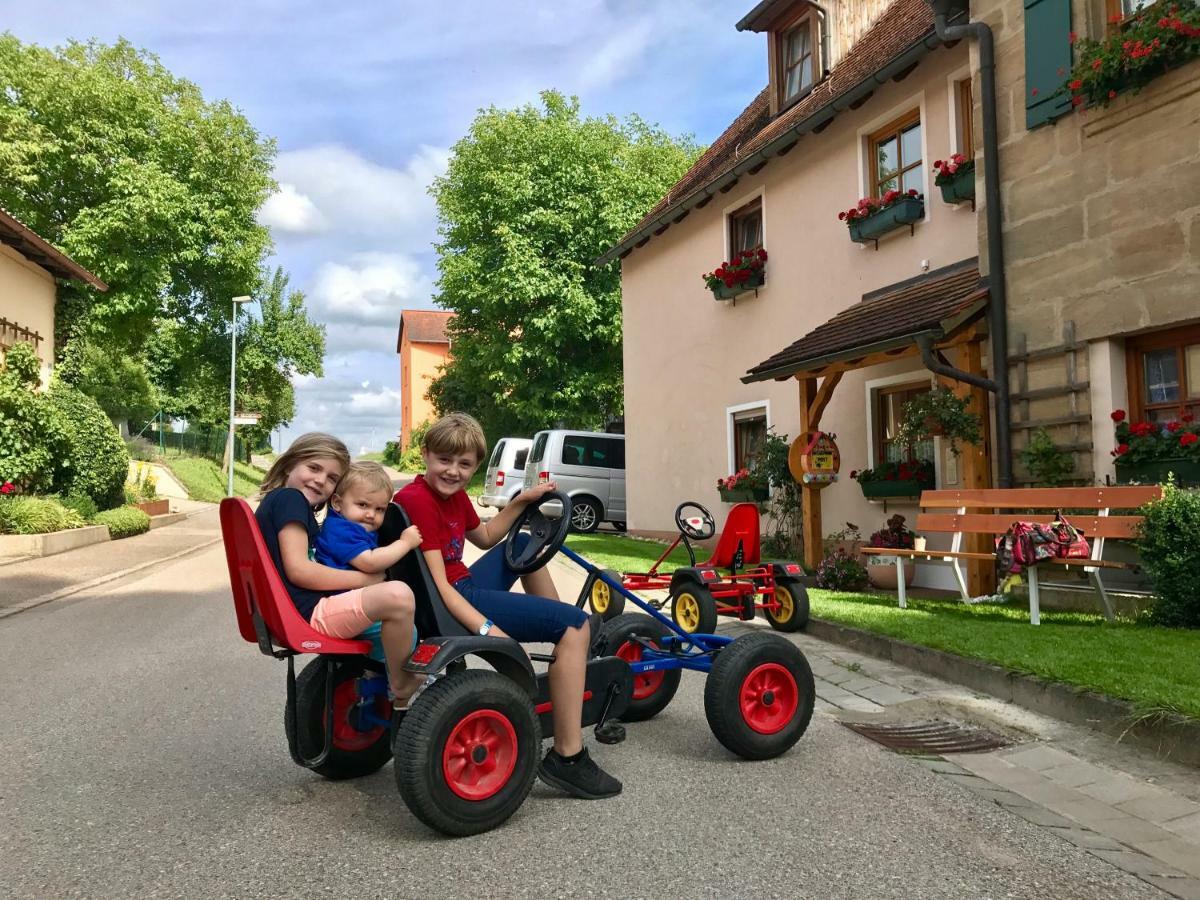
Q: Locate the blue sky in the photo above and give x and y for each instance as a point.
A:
(365, 102)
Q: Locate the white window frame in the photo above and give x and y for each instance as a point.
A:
(872, 386)
(730, 412)
(863, 137)
(759, 193)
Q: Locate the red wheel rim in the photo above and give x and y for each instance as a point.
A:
(769, 698)
(347, 736)
(480, 755)
(644, 683)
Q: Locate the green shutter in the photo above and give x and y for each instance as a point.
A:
(1047, 59)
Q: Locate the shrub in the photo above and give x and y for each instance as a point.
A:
(839, 571)
(141, 448)
(33, 441)
(36, 515)
(97, 461)
(81, 504)
(1169, 543)
(391, 453)
(142, 487)
(123, 522)
(1047, 463)
(411, 459)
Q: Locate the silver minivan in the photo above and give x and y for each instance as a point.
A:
(505, 471)
(589, 467)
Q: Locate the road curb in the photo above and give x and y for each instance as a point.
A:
(62, 593)
(1169, 735)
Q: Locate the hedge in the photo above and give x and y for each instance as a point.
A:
(97, 461)
(123, 522)
(33, 439)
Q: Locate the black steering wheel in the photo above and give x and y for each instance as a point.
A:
(699, 525)
(546, 535)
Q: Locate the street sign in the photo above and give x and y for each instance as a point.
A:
(247, 418)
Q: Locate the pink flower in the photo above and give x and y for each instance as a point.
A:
(7, 488)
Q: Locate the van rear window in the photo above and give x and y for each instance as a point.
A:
(519, 459)
(495, 460)
(539, 448)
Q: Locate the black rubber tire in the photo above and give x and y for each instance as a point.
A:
(310, 710)
(620, 526)
(421, 740)
(723, 695)
(703, 617)
(587, 511)
(620, 631)
(610, 603)
(797, 599)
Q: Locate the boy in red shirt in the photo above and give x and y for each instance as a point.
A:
(479, 597)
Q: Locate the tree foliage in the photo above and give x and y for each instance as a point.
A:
(531, 198)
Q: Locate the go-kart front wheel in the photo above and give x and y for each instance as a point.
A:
(759, 696)
(358, 748)
(467, 752)
(605, 600)
(792, 613)
(652, 690)
(693, 607)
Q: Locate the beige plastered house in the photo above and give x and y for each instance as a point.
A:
(29, 267)
(424, 348)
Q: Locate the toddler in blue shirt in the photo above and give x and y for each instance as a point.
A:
(349, 537)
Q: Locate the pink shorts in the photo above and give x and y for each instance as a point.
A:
(341, 615)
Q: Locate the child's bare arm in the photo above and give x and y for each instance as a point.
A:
(383, 558)
(459, 607)
(306, 573)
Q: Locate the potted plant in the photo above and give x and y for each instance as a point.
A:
(1141, 48)
(1147, 452)
(881, 569)
(744, 486)
(956, 178)
(940, 413)
(905, 478)
(871, 218)
(745, 272)
(839, 571)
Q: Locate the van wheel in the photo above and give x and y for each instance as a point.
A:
(585, 515)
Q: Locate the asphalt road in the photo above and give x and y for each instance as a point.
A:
(143, 755)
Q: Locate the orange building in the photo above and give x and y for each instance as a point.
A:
(423, 346)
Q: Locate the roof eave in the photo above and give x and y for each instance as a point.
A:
(52, 259)
(781, 372)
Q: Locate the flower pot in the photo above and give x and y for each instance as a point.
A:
(933, 427)
(753, 283)
(910, 488)
(903, 212)
(919, 544)
(155, 507)
(744, 495)
(1155, 471)
(960, 188)
(881, 572)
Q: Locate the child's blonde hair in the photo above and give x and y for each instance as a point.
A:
(314, 445)
(454, 434)
(366, 474)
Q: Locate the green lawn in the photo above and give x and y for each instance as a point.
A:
(372, 457)
(627, 554)
(205, 480)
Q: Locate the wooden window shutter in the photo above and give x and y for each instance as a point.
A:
(1047, 60)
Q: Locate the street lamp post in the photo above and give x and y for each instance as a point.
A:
(237, 301)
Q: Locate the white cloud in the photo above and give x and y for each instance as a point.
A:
(371, 289)
(616, 58)
(291, 212)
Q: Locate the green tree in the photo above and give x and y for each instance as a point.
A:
(531, 198)
(119, 382)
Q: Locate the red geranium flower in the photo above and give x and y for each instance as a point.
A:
(1173, 427)
(1122, 449)
(1188, 439)
(7, 488)
(1118, 415)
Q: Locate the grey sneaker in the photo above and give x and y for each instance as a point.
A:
(581, 778)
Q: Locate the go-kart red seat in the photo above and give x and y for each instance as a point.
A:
(265, 613)
(741, 527)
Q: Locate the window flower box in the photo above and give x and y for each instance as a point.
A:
(896, 479)
(743, 486)
(1155, 471)
(753, 283)
(1147, 452)
(956, 179)
(878, 489)
(745, 495)
(871, 219)
(746, 272)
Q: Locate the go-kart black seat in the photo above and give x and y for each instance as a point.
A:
(432, 617)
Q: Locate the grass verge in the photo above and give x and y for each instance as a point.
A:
(1155, 668)
(204, 479)
(625, 553)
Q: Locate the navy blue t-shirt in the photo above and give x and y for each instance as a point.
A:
(281, 507)
(341, 540)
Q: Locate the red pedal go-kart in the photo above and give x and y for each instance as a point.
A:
(467, 751)
(734, 581)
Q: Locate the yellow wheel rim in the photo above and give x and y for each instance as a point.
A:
(687, 612)
(600, 597)
(787, 606)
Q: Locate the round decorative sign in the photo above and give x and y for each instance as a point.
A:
(814, 459)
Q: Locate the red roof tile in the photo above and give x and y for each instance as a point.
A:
(424, 326)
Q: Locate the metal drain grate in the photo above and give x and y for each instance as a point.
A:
(930, 737)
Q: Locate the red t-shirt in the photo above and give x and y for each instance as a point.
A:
(444, 523)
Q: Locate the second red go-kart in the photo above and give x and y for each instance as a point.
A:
(467, 751)
(734, 581)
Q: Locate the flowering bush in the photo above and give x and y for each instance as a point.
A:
(894, 535)
(1159, 37)
(918, 470)
(741, 269)
(742, 480)
(948, 168)
(1146, 441)
(839, 571)
(869, 205)
(7, 488)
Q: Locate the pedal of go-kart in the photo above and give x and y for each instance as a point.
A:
(610, 732)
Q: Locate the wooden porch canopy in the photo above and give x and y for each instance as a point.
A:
(945, 307)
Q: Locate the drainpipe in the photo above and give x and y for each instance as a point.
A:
(998, 304)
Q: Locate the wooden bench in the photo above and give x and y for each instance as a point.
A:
(949, 515)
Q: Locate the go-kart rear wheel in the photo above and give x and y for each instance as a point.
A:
(693, 608)
(606, 601)
(358, 748)
(467, 752)
(654, 690)
(759, 696)
(792, 598)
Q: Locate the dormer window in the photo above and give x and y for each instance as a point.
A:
(798, 59)
(798, 54)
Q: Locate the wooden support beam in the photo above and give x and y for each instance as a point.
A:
(821, 400)
(810, 497)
